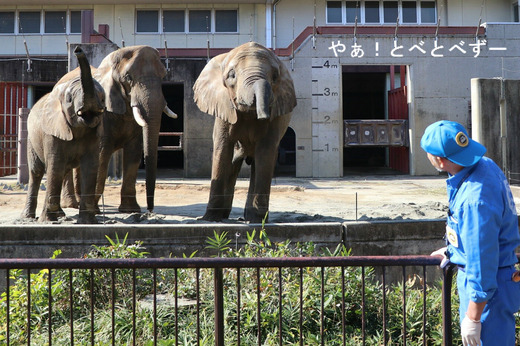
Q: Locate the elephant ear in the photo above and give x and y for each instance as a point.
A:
(108, 77)
(53, 116)
(210, 93)
(284, 97)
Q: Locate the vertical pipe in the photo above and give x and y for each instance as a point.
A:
(8, 304)
(219, 307)
(385, 338)
(92, 307)
(155, 306)
(28, 306)
(424, 306)
(113, 282)
(133, 307)
(343, 326)
(23, 170)
(197, 283)
(301, 306)
(176, 278)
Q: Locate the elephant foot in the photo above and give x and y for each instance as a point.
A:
(129, 208)
(48, 217)
(26, 214)
(87, 218)
(212, 216)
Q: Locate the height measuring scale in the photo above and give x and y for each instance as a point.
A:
(327, 115)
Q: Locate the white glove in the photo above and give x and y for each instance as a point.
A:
(441, 252)
(470, 331)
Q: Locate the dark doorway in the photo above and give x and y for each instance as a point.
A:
(41, 90)
(364, 98)
(174, 95)
(286, 161)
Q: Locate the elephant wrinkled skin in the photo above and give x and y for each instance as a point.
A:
(251, 94)
(132, 80)
(63, 131)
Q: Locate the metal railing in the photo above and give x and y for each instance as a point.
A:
(222, 268)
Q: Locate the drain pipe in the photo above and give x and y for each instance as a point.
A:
(274, 22)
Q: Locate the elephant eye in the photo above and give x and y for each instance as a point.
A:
(276, 75)
(231, 74)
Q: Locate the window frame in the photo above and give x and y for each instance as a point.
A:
(362, 13)
(14, 24)
(212, 18)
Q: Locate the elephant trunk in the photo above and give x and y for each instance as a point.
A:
(263, 93)
(87, 83)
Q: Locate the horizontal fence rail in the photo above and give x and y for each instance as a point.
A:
(108, 280)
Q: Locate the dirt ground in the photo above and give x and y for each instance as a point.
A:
(181, 200)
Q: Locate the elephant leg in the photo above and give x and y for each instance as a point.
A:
(104, 160)
(262, 170)
(222, 170)
(87, 205)
(68, 193)
(131, 159)
(229, 189)
(36, 171)
(51, 208)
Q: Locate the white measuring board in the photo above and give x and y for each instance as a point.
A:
(327, 118)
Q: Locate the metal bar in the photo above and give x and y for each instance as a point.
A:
(92, 306)
(176, 278)
(343, 325)
(301, 306)
(219, 307)
(322, 307)
(134, 302)
(218, 262)
(363, 317)
(424, 306)
(28, 306)
(280, 298)
(155, 306)
(258, 317)
(238, 306)
(49, 300)
(197, 272)
(404, 306)
(8, 306)
(71, 304)
(113, 280)
(446, 304)
(385, 335)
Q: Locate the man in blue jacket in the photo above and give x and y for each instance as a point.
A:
(481, 232)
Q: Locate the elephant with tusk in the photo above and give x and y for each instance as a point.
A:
(132, 80)
(251, 94)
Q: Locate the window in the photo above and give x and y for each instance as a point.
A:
(352, 9)
(147, 21)
(55, 22)
(173, 21)
(29, 22)
(6, 22)
(383, 12)
(409, 12)
(334, 12)
(75, 22)
(390, 12)
(199, 21)
(226, 21)
(428, 12)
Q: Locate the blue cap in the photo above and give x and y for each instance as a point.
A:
(450, 140)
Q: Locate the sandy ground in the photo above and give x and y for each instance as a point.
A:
(181, 200)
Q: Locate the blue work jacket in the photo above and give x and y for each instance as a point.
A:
(482, 226)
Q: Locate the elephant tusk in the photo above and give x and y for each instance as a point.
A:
(138, 117)
(169, 112)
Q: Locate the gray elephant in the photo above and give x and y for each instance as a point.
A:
(63, 131)
(132, 79)
(251, 94)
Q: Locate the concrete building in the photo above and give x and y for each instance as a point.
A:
(369, 75)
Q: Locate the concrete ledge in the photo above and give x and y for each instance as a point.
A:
(162, 240)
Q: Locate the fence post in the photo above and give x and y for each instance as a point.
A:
(23, 170)
(219, 307)
(446, 304)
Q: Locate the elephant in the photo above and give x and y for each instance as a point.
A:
(63, 133)
(251, 94)
(132, 80)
